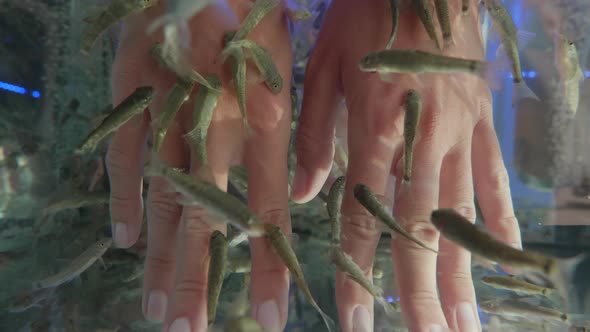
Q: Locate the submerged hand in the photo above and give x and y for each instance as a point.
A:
(456, 148)
(175, 282)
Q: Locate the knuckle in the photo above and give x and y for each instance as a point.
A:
(163, 207)
(191, 286)
(122, 208)
(194, 221)
(421, 228)
(498, 181)
(118, 161)
(468, 212)
(424, 298)
(308, 142)
(267, 119)
(274, 216)
(159, 263)
(461, 278)
(359, 226)
(506, 223)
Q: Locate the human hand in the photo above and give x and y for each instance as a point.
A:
(175, 281)
(456, 139)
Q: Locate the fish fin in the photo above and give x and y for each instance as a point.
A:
(449, 43)
(297, 15)
(524, 38)
(94, 14)
(406, 189)
(160, 22)
(153, 166)
(184, 200)
(330, 325)
(522, 91)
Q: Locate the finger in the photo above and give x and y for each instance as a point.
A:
(454, 263)
(417, 279)
(163, 219)
(266, 161)
(373, 138)
(492, 182)
(315, 135)
(124, 159)
(188, 305)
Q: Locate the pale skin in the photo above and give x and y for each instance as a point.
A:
(448, 150)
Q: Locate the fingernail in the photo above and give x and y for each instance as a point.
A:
(516, 245)
(156, 306)
(300, 180)
(435, 328)
(466, 317)
(120, 235)
(267, 315)
(361, 320)
(180, 325)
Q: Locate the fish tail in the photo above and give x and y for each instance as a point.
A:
(153, 166)
(256, 230)
(522, 91)
(561, 272)
(330, 325)
(160, 22)
(406, 189)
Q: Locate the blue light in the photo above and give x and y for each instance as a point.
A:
(390, 299)
(36, 94)
(524, 74)
(12, 88)
(587, 73)
(532, 74)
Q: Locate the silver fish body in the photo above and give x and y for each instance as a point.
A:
(77, 266)
(205, 104)
(133, 105)
(417, 62)
(177, 96)
(259, 10)
(218, 253)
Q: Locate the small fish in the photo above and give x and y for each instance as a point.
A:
(205, 104)
(283, 248)
(237, 62)
(208, 196)
(516, 285)
(423, 11)
(239, 265)
(23, 302)
(77, 200)
(137, 272)
(368, 199)
(298, 15)
(394, 7)
(165, 61)
(177, 34)
(177, 96)
(133, 105)
(218, 253)
(567, 63)
(101, 18)
(504, 25)
(76, 266)
(444, 20)
(259, 10)
(465, 7)
(347, 265)
(263, 61)
(334, 206)
(516, 308)
(417, 62)
(461, 231)
(413, 106)
(242, 324)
